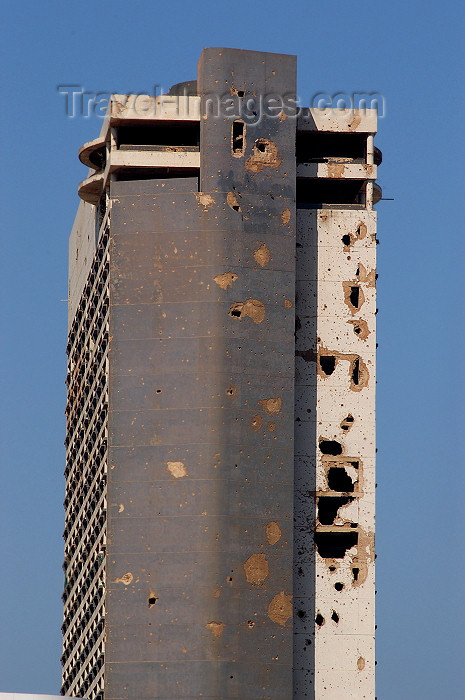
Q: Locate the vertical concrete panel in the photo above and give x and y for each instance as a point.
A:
(201, 427)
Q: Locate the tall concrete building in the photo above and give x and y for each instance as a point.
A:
(221, 390)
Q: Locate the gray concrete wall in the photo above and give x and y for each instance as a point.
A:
(200, 485)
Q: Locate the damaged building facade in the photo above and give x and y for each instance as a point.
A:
(219, 529)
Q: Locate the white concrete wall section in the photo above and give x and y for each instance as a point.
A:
(335, 365)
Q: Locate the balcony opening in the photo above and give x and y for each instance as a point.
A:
(128, 174)
(329, 147)
(185, 135)
(317, 193)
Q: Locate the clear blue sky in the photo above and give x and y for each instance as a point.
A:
(412, 53)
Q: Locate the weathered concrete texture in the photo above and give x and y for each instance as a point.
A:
(200, 486)
(335, 454)
(82, 246)
(241, 382)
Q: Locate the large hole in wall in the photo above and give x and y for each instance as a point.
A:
(334, 545)
(238, 138)
(339, 480)
(328, 507)
(330, 447)
(354, 296)
(327, 364)
(356, 371)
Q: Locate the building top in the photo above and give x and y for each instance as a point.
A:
(119, 146)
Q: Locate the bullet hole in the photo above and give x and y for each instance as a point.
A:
(238, 138)
(328, 507)
(335, 617)
(231, 391)
(346, 424)
(354, 296)
(252, 308)
(158, 391)
(256, 422)
(319, 620)
(339, 480)
(301, 614)
(339, 586)
(327, 364)
(332, 568)
(346, 239)
(308, 642)
(356, 371)
(240, 93)
(152, 599)
(232, 202)
(357, 330)
(260, 145)
(231, 677)
(334, 545)
(229, 579)
(330, 447)
(355, 573)
(250, 624)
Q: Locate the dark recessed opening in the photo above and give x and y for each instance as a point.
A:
(355, 573)
(328, 507)
(152, 600)
(327, 364)
(339, 480)
(335, 617)
(129, 174)
(356, 371)
(312, 193)
(330, 447)
(346, 239)
(334, 545)
(338, 586)
(354, 296)
(237, 138)
(260, 145)
(319, 620)
(99, 157)
(159, 134)
(321, 147)
(301, 614)
(236, 312)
